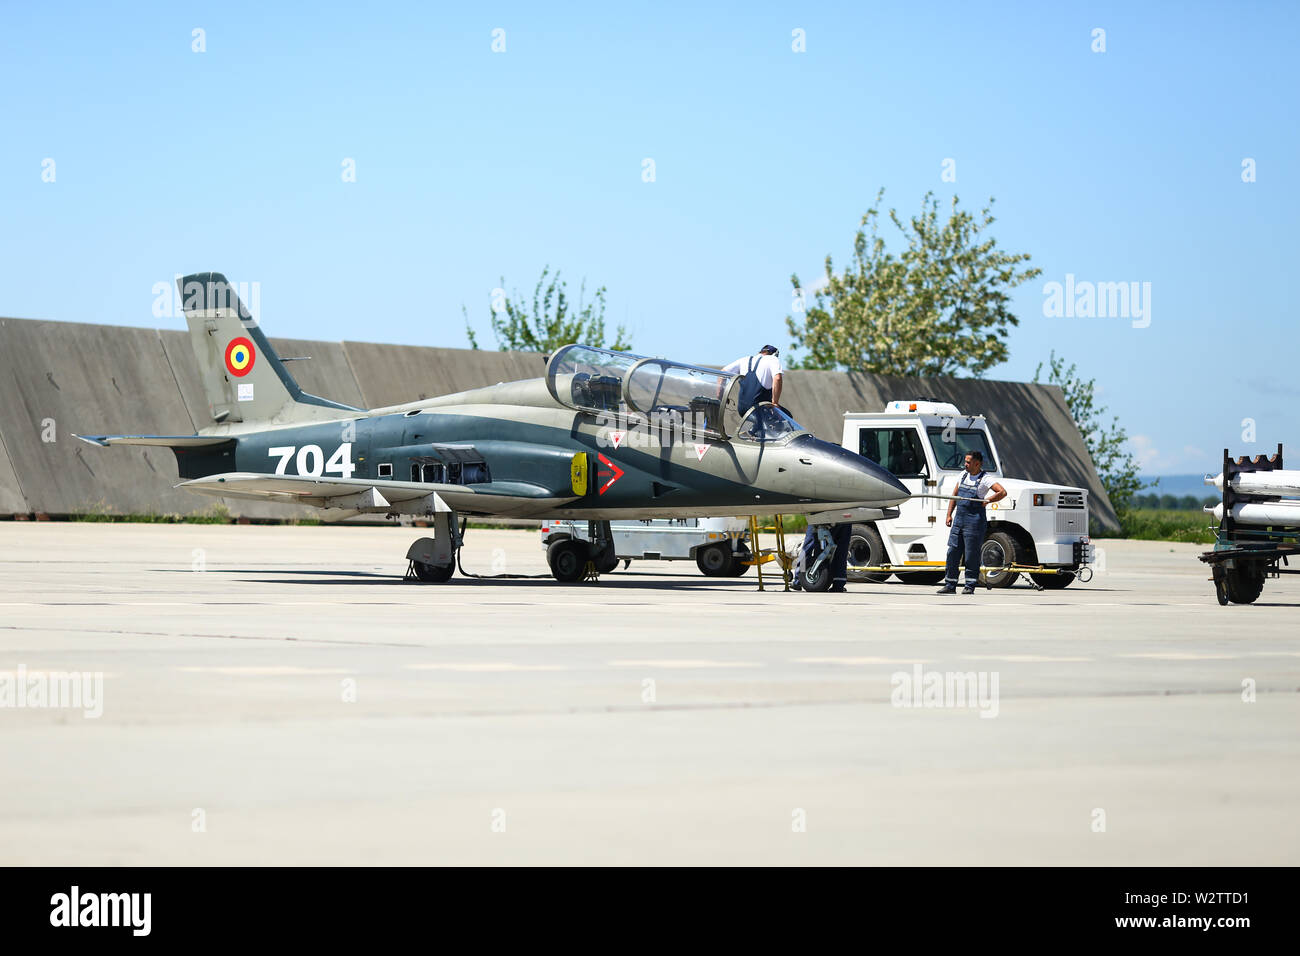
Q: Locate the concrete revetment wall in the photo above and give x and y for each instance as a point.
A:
(58, 379)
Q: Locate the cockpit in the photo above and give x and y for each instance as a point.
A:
(768, 423)
(697, 400)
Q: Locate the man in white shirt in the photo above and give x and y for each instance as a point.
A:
(761, 381)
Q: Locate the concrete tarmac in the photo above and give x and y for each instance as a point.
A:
(278, 695)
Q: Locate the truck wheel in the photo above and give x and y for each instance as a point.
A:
(1053, 582)
(568, 560)
(433, 573)
(715, 560)
(1000, 550)
(866, 550)
(1244, 584)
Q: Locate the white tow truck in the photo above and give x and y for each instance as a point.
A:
(1038, 529)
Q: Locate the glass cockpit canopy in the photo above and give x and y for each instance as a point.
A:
(690, 397)
(766, 422)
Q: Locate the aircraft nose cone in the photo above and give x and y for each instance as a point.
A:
(847, 477)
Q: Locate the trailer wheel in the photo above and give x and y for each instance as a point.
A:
(1000, 550)
(866, 550)
(1220, 585)
(715, 560)
(1244, 584)
(1053, 582)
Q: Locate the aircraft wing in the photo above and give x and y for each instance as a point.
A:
(377, 495)
(160, 441)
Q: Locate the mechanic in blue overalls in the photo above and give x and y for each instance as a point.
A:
(969, 521)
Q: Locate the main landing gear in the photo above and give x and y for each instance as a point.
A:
(433, 560)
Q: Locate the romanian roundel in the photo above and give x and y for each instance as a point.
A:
(239, 357)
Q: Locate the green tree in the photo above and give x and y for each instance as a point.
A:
(1115, 465)
(939, 307)
(551, 321)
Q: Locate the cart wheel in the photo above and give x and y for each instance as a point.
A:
(715, 560)
(1220, 586)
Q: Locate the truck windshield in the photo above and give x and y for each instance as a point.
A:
(951, 446)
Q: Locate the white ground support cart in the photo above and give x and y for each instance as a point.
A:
(1039, 530)
(717, 545)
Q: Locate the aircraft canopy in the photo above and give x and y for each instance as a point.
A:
(697, 399)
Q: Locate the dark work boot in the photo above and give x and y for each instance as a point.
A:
(947, 589)
(968, 589)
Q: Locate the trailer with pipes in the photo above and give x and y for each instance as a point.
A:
(1259, 525)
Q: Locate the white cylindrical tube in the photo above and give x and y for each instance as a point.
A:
(1267, 513)
(1285, 483)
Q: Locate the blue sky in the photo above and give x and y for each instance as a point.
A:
(1122, 166)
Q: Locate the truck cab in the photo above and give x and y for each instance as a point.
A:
(924, 444)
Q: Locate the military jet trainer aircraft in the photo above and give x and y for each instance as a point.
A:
(602, 435)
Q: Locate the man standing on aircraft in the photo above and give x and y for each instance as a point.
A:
(761, 381)
(968, 529)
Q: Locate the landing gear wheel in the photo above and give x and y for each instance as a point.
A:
(433, 573)
(1053, 582)
(819, 580)
(866, 550)
(1000, 550)
(928, 578)
(715, 560)
(1244, 584)
(568, 560)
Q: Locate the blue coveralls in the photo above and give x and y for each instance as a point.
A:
(969, 522)
(751, 390)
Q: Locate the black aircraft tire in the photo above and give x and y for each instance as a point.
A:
(1000, 549)
(1053, 582)
(568, 560)
(1244, 584)
(820, 581)
(714, 561)
(866, 550)
(433, 573)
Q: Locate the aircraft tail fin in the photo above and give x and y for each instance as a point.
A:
(243, 377)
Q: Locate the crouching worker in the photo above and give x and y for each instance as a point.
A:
(969, 521)
(839, 536)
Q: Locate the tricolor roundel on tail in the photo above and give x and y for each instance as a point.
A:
(240, 356)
